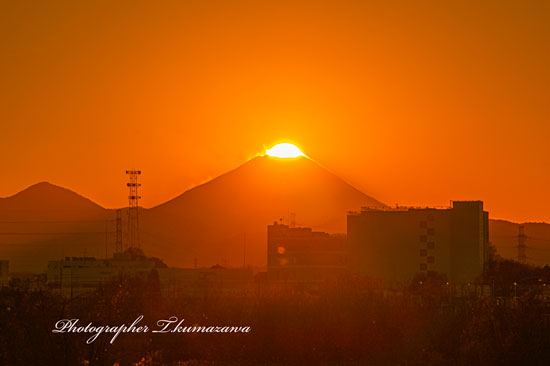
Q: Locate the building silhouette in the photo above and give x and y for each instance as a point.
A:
(197, 282)
(74, 276)
(398, 243)
(302, 256)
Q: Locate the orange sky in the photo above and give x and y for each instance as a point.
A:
(413, 104)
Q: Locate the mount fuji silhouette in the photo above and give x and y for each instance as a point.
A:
(225, 220)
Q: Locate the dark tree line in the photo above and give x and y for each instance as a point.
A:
(331, 326)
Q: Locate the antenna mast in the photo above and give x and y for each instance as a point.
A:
(133, 207)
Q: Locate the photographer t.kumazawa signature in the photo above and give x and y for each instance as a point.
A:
(170, 325)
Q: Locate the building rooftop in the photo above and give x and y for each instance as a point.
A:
(398, 208)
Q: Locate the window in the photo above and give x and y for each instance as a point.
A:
(423, 267)
(431, 231)
(423, 252)
(431, 259)
(423, 224)
(423, 238)
(431, 245)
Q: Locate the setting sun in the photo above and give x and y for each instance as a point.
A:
(284, 150)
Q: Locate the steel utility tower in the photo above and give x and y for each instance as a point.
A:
(522, 256)
(133, 207)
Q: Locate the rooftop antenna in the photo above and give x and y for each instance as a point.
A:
(133, 207)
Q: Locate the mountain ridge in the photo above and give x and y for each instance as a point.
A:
(221, 221)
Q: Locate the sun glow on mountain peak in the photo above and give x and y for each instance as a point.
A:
(284, 151)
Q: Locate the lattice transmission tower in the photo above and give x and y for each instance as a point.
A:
(133, 208)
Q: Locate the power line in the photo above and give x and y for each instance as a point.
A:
(538, 239)
(54, 233)
(54, 222)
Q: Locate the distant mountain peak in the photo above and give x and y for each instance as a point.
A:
(276, 175)
(214, 221)
(41, 187)
(45, 195)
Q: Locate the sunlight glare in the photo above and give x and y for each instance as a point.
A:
(284, 150)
